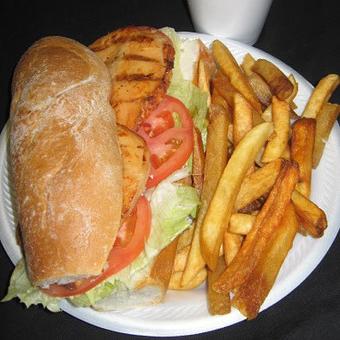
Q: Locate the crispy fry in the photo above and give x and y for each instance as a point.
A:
(280, 85)
(321, 95)
(162, 268)
(302, 145)
(247, 64)
(254, 205)
(176, 280)
(217, 99)
(267, 221)
(250, 295)
(181, 259)
(218, 304)
(231, 245)
(241, 223)
(223, 86)
(204, 79)
(324, 123)
(294, 92)
(185, 238)
(238, 79)
(312, 218)
(278, 142)
(222, 204)
(198, 161)
(261, 89)
(242, 118)
(258, 183)
(215, 162)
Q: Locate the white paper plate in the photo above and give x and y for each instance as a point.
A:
(185, 313)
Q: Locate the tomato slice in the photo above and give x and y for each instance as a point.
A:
(170, 146)
(126, 249)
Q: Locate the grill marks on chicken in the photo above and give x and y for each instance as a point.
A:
(140, 60)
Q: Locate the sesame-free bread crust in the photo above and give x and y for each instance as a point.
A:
(65, 161)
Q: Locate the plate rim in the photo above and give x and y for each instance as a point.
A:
(130, 325)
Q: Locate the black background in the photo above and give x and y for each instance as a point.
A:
(303, 34)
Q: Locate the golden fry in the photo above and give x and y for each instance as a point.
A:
(198, 160)
(258, 184)
(247, 64)
(280, 85)
(230, 68)
(312, 218)
(251, 294)
(294, 92)
(302, 145)
(218, 303)
(231, 245)
(242, 118)
(241, 223)
(222, 204)
(223, 86)
(261, 89)
(324, 123)
(321, 95)
(163, 267)
(176, 280)
(215, 162)
(278, 142)
(267, 221)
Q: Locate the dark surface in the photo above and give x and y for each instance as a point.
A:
(303, 34)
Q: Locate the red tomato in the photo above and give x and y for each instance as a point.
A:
(170, 146)
(126, 249)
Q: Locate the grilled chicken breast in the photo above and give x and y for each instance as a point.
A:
(140, 60)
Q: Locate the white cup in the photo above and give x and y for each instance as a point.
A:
(240, 20)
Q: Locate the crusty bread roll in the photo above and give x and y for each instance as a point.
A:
(66, 163)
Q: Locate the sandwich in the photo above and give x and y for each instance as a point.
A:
(101, 144)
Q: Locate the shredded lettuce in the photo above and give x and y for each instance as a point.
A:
(191, 96)
(21, 287)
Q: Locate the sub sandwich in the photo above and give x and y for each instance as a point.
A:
(101, 145)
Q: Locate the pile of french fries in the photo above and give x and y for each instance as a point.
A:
(254, 179)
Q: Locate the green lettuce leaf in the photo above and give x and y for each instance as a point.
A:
(21, 287)
(191, 96)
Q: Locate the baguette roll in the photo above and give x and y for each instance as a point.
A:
(65, 160)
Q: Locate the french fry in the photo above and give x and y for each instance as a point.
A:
(277, 143)
(231, 245)
(222, 204)
(321, 95)
(279, 84)
(261, 89)
(258, 184)
(241, 223)
(312, 218)
(267, 221)
(181, 259)
(302, 145)
(215, 162)
(218, 304)
(204, 79)
(247, 64)
(163, 265)
(249, 297)
(223, 86)
(230, 68)
(185, 238)
(294, 92)
(324, 123)
(217, 99)
(176, 280)
(267, 114)
(242, 118)
(198, 160)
